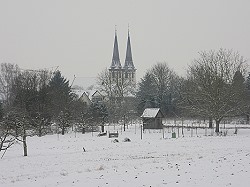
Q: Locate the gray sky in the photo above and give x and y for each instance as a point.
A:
(78, 35)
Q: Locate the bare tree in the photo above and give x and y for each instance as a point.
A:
(63, 121)
(16, 123)
(118, 88)
(7, 76)
(104, 83)
(6, 137)
(209, 90)
(117, 91)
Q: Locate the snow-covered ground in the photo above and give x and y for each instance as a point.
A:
(153, 161)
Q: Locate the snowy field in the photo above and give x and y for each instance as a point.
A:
(153, 161)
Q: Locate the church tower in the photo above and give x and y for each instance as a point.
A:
(120, 74)
(129, 68)
(115, 69)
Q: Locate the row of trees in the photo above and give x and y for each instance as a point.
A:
(35, 101)
(214, 88)
(31, 100)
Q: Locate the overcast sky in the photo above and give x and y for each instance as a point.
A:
(78, 35)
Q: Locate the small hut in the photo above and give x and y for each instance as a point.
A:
(152, 118)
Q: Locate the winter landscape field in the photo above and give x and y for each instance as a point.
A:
(56, 160)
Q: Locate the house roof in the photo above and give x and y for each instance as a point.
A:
(96, 93)
(85, 97)
(150, 112)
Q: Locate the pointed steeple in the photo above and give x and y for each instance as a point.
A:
(115, 59)
(129, 61)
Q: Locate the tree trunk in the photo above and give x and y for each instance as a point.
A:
(248, 119)
(83, 130)
(210, 122)
(25, 151)
(217, 128)
(16, 130)
(63, 130)
(124, 124)
(102, 128)
(40, 130)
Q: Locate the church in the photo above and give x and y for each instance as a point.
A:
(127, 72)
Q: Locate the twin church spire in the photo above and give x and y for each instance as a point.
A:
(126, 72)
(116, 58)
(129, 61)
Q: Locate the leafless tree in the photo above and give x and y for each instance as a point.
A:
(117, 92)
(104, 83)
(16, 123)
(6, 137)
(209, 90)
(8, 73)
(118, 88)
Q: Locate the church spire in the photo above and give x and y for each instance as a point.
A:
(115, 59)
(129, 61)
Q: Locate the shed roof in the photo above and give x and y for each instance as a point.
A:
(150, 112)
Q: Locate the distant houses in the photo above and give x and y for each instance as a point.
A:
(97, 97)
(119, 76)
(84, 98)
(90, 96)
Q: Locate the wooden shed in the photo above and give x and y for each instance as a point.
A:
(152, 118)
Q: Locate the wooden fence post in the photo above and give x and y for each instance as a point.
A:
(182, 127)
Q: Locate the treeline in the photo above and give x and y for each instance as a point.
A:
(216, 86)
(33, 102)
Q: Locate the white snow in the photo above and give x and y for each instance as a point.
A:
(153, 161)
(150, 112)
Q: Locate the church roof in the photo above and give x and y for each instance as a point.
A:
(128, 60)
(116, 64)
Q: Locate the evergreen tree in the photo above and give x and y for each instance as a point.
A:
(247, 110)
(60, 99)
(42, 117)
(248, 82)
(158, 89)
(238, 80)
(239, 90)
(146, 95)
